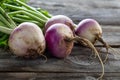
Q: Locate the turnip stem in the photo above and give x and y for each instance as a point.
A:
(14, 13)
(13, 7)
(35, 13)
(2, 19)
(7, 18)
(23, 17)
(5, 30)
(20, 20)
(43, 12)
(26, 6)
(30, 8)
(3, 37)
(35, 17)
(26, 18)
(32, 14)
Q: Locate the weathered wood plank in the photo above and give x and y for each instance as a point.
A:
(111, 34)
(104, 11)
(56, 76)
(81, 64)
(80, 60)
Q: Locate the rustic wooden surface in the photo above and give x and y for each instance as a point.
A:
(80, 65)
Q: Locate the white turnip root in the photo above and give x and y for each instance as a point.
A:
(27, 40)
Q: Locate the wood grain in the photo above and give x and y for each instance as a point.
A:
(81, 64)
(57, 76)
(104, 11)
(80, 60)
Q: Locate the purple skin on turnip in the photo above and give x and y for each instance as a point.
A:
(58, 40)
(59, 19)
(27, 40)
(89, 29)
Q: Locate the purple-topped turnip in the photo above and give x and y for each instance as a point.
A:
(91, 30)
(58, 39)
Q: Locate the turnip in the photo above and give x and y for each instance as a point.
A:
(27, 40)
(60, 38)
(91, 30)
(59, 19)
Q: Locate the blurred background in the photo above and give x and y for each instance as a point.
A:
(106, 12)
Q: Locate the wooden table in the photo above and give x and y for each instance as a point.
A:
(80, 65)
